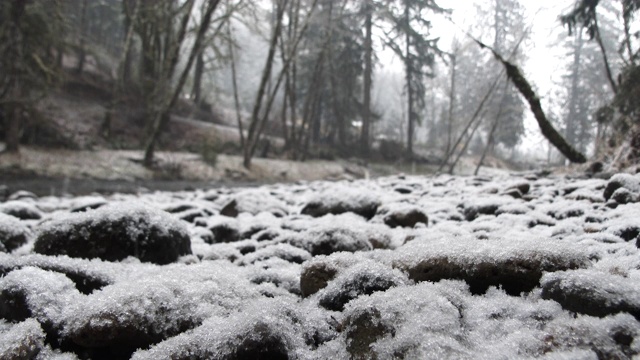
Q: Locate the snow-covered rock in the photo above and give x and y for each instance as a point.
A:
(115, 232)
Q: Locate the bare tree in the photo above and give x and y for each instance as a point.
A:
(164, 96)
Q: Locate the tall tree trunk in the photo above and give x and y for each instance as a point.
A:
(196, 91)
(626, 19)
(452, 98)
(12, 134)
(494, 127)
(605, 58)
(570, 133)
(81, 46)
(260, 122)
(409, 75)
(123, 75)
(234, 82)
(253, 134)
(162, 117)
(473, 119)
(368, 71)
(17, 91)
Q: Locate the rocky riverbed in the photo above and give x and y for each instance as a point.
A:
(518, 266)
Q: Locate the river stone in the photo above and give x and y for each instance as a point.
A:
(115, 232)
(592, 292)
(21, 209)
(13, 233)
(406, 217)
(364, 278)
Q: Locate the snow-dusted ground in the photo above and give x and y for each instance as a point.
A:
(399, 267)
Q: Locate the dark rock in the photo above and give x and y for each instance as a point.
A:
(517, 272)
(624, 196)
(403, 190)
(230, 209)
(316, 276)
(360, 279)
(522, 187)
(514, 193)
(178, 208)
(115, 232)
(363, 206)
(26, 341)
(261, 342)
(628, 233)
(591, 292)
(628, 181)
(325, 241)
(22, 194)
(282, 251)
(20, 209)
(362, 329)
(245, 247)
(595, 167)
(13, 233)
(190, 216)
(472, 212)
(254, 202)
(406, 217)
(35, 293)
(4, 193)
(86, 278)
(225, 231)
(89, 203)
(320, 270)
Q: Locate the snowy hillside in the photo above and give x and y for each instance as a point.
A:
(398, 267)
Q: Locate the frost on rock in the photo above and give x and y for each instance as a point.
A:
(331, 239)
(21, 209)
(223, 229)
(340, 199)
(159, 304)
(363, 278)
(396, 322)
(13, 233)
(622, 222)
(472, 209)
(254, 201)
(318, 272)
(115, 232)
(626, 181)
(404, 215)
(282, 251)
(24, 340)
(282, 274)
(35, 293)
(594, 292)
(87, 275)
(514, 265)
(264, 329)
(85, 203)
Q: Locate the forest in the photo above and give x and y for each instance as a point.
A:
(409, 81)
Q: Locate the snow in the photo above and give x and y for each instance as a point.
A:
(317, 270)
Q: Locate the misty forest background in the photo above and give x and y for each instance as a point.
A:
(330, 79)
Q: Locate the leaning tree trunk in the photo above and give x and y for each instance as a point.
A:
(545, 125)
